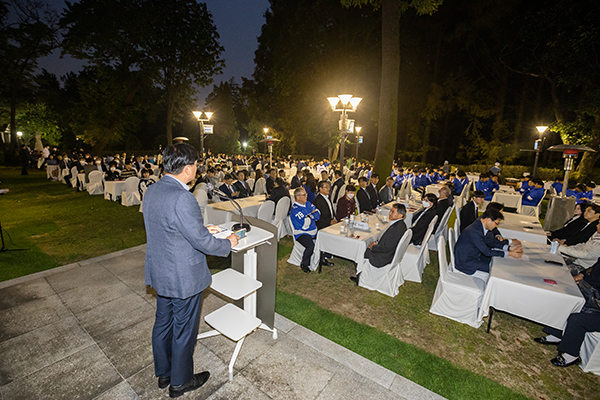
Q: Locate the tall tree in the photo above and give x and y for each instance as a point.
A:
(26, 35)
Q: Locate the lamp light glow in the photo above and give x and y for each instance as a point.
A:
(541, 129)
(354, 101)
(358, 128)
(208, 114)
(197, 114)
(19, 134)
(333, 101)
(345, 98)
(266, 130)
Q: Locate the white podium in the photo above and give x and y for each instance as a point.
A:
(231, 321)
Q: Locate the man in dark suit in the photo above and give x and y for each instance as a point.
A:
(386, 193)
(382, 252)
(241, 186)
(325, 207)
(469, 213)
(422, 218)
(176, 268)
(363, 197)
(337, 185)
(372, 190)
(297, 180)
(279, 191)
(228, 189)
(270, 181)
(472, 254)
(581, 229)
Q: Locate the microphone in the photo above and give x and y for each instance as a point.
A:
(235, 227)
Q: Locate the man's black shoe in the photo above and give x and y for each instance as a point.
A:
(327, 263)
(543, 340)
(304, 268)
(196, 381)
(354, 279)
(163, 381)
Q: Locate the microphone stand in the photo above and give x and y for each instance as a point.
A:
(242, 224)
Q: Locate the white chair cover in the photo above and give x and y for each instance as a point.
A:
(260, 187)
(531, 210)
(96, 184)
(457, 220)
(386, 279)
(297, 252)
(50, 170)
(416, 258)
(281, 213)
(202, 198)
(265, 212)
(340, 193)
(63, 174)
(250, 183)
(292, 172)
(442, 230)
(131, 194)
(457, 296)
(74, 177)
(451, 244)
(590, 353)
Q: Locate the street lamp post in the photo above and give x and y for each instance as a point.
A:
(539, 145)
(202, 127)
(349, 104)
(358, 139)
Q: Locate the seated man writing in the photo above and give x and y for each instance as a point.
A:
(472, 253)
(303, 216)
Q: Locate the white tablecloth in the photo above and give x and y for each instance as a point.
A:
(522, 227)
(433, 188)
(509, 199)
(218, 213)
(113, 190)
(517, 287)
(411, 208)
(329, 240)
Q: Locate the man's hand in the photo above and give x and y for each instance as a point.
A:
(578, 278)
(234, 239)
(516, 249)
(372, 244)
(515, 253)
(516, 243)
(334, 221)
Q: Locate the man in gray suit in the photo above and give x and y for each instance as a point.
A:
(382, 252)
(177, 242)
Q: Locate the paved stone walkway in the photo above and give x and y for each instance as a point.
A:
(83, 331)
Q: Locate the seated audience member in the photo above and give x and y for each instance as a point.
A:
(346, 205)
(325, 176)
(270, 180)
(211, 175)
(492, 187)
(324, 205)
(228, 188)
(524, 184)
(481, 184)
(145, 181)
(472, 254)
(570, 340)
(422, 218)
(279, 191)
(337, 185)
(580, 229)
(372, 190)
(310, 186)
(460, 182)
(589, 191)
(420, 182)
(128, 171)
(558, 185)
(386, 193)
(572, 190)
(363, 197)
(282, 176)
(469, 213)
(442, 205)
(303, 215)
(534, 195)
(381, 252)
(495, 239)
(241, 186)
(113, 174)
(584, 254)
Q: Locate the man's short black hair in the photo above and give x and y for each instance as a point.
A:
(479, 194)
(338, 172)
(432, 198)
(362, 179)
(177, 156)
(322, 184)
(350, 188)
(495, 205)
(492, 214)
(279, 181)
(594, 207)
(374, 175)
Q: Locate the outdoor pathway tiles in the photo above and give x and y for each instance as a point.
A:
(83, 331)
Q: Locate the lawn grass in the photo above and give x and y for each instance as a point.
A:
(429, 371)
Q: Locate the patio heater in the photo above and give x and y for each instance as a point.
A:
(270, 140)
(561, 207)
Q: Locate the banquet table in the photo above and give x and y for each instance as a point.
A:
(219, 213)
(517, 286)
(522, 227)
(508, 198)
(351, 246)
(113, 190)
(433, 188)
(411, 207)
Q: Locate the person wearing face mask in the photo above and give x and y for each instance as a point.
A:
(113, 173)
(95, 165)
(346, 205)
(422, 218)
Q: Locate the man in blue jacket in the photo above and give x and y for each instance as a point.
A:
(177, 245)
(472, 254)
(303, 215)
(534, 195)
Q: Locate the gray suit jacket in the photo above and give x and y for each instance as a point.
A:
(177, 241)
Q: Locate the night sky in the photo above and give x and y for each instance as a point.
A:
(238, 23)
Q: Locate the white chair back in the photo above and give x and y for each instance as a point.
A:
(458, 210)
(451, 244)
(340, 193)
(201, 197)
(131, 194)
(250, 183)
(427, 237)
(260, 187)
(401, 248)
(74, 177)
(281, 212)
(95, 186)
(265, 212)
(443, 262)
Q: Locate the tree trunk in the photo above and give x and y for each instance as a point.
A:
(390, 76)
(100, 144)
(14, 139)
(558, 112)
(589, 159)
(170, 106)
